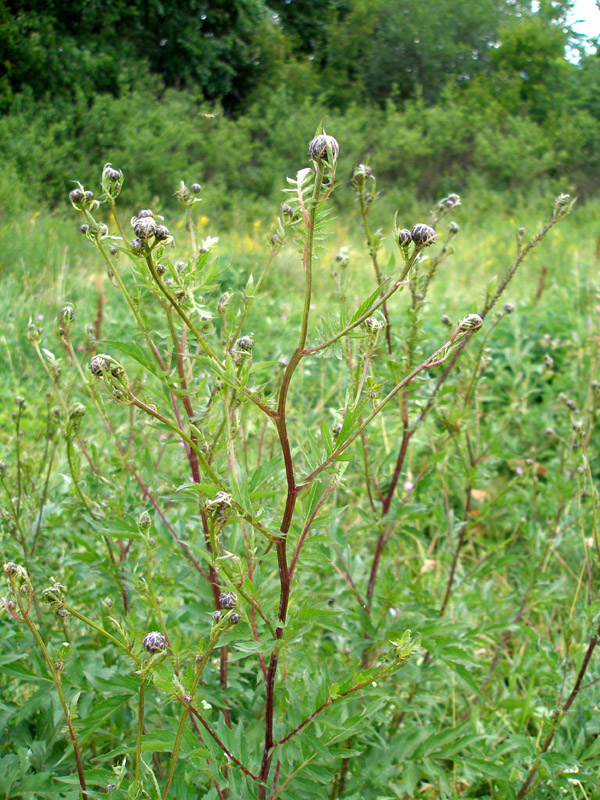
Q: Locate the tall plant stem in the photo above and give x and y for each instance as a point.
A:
(292, 490)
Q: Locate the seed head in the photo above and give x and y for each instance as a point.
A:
(228, 600)
(320, 145)
(423, 235)
(154, 642)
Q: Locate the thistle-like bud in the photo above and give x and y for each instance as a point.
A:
(98, 365)
(404, 238)
(445, 319)
(20, 401)
(287, 210)
(137, 247)
(472, 322)
(154, 642)
(228, 600)
(337, 429)
(145, 213)
(89, 197)
(509, 308)
(245, 344)
(423, 235)
(34, 332)
(452, 200)
(220, 504)
(217, 616)
(453, 228)
(85, 228)
(323, 145)
(144, 522)
(374, 325)
(144, 228)
(195, 188)
(162, 233)
(234, 618)
(223, 302)
(16, 573)
(77, 198)
(112, 181)
(549, 431)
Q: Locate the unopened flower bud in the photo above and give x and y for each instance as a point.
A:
(453, 228)
(154, 642)
(222, 502)
(228, 600)
(144, 522)
(144, 228)
(162, 233)
(245, 344)
(509, 308)
(137, 246)
(145, 213)
(76, 196)
(319, 146)
(445, 319)
(337, 429)
(374, 325)
(217, 616)
(89, 196)
(85, 228)
(195, 188)
(98, 365)
(549, 431)
(287, 210)
(472, 322)
(404, 237)
(423, 235)
(234, 618)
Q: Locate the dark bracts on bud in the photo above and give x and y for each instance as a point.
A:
(154, 642)
(228, 600)
(321, 145)
(423, 235)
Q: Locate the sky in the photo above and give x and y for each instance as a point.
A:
(588, 15)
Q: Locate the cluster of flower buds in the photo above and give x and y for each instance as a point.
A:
(66, 318)
(324, 148)
(54, 596)
(154, 642)
(420, 236)
(470, 324)
(112, 181)
(34, 332)
(451, 201)
(361, 177)
(188, 196)
(227, 602)
(243, 348)
(81, 199)
(74, 417)
(112, 373)
(148, 232)
(17, 575)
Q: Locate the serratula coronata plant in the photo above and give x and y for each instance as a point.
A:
(250, 645)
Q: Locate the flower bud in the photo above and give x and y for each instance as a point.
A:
(77, 198)
(144, 228)
(548, 361)
(162, 233)
(453, 228)
(145, 213)
(234, 618)
(374, 325)
(472, 322)
(509, 308)
(221, 503)
(423, 235)
(228, 600)
(404, 237)
(137, 246)
(195, 188)
(89, 196)
(98, 365)
(245, 344)
(320, 146)
(287, 210)
(3, 468)
(85, 228)
(154, 642)
(445, 319)
(217, 616)
(144, 522)
(34, 332)
(549, 431)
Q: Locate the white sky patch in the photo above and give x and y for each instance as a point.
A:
(585, 18)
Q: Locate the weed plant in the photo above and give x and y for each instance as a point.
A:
(251, 553)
